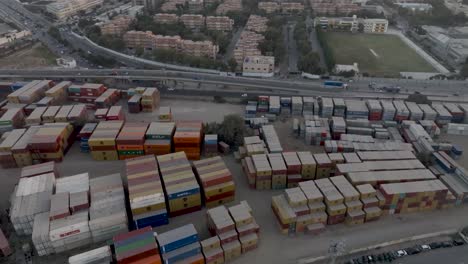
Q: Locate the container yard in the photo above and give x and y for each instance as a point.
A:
(330, 168)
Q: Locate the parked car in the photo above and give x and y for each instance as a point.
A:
(401, 253)
(425, 247)
(413, 250)
(447, 244)
(458, 242)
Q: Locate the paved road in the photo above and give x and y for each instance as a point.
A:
(316, 47)
(455, 255)
(292, 48)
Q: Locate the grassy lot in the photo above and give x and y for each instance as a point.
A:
(389, 57)
(32, 57)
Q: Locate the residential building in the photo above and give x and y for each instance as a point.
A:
(269, 7)
(193, 21)
(195, 5)
(171, 5)
(291, 7)
(322, 7)
(117, 26)
(337, 23)
(166, 18)
(65, 8)
(149, 41)
(449, 45)
(256, 23)
(375, 25)
(229, 5)
(221, 23)
(247, 45)
(416, 7)
(10, 38)
(148, 4)
(258, 66)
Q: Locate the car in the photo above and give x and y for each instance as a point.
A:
(458, 242)
(244, 95)
(401, 253)
(425, 247)
(413, 250)
(435, 245)
(171, 89)
(447, 244)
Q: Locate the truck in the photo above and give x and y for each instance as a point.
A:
(334, 84)
(309, 76)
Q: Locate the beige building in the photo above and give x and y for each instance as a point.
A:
(258, 66)
(256, 23)
(149, 41)
(291, 7)
(171, 5)
(221, 23)
(193, 21)
(65, 8)
(12, 37)
(269, 7)
(195, 5)
(166, 18)
(148, 4)
(321, 7)
(337, 23)
(229, 5)
(116, 26)
(376, 25)
(247, 45)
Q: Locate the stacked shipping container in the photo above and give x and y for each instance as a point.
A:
(159, 138)
(188, 138)
(130, 140)
(102, 142)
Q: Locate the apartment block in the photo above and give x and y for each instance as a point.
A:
(195, 5)
(221, 23)
(117, 26)
(256, 23)
(229, 5)
(247, 45)
(291, 7)
(258, 66)
(148, 4)
(337, 23)
(149, 41)
(376, 25)
(269, 7)
(171, 5)
(166, 18)
(65, 8)
(139, 39)
(334, 8)
(193, 21)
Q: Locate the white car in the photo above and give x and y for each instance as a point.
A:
(170, 89)
(244, 95)
(401, 253)
(425, 247)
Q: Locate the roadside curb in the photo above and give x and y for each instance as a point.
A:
(385, 244)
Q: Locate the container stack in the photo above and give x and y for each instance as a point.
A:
(317, 131)
(182, 197)
(308, 165)
(84, 135)
(130, 140)
(159, 138)
(107, 213)
(115, 113)
(284, 214)
(250, 109)
(402, 112)
(98, 255)
(134, 104)
(324, 165)
(279, 176)
(216, 181)
(263, 103)
(246, 226)
(416, 113)
(30, 92)
(102, 142)
(150, 99)
(407, 197)
(339, 107)
(443, 115)
(180, 244)
(293, 167)
(274, 106)
(271, 139)
(50, 142)
(86, 93)
(221, 225)
(58, 93)
(62, 114)
(336, 209)
(375, 110)
(210, 145)
(388, 110)
(356, 110)
(100, 114)
(35, 118)
(262, 172)
(165, 114)
(7, 160)
(40, 234)
(428, 112)
(314, 222)
(145, 192)
(308, 106)
(326, 107)
(78, 115)
(107, 99)
(14, 96)
(50, 113)
(286, 103)
(212, 250)
(13, 118)
(457, 114)
(188, 138)
(137, 246)
(338, 127)
(297, 105)
(31, 197)
(354, 212)
(20, 150)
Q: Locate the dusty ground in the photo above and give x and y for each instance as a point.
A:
(33, 57)
(274, 248)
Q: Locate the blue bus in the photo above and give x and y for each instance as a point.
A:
(334, 84)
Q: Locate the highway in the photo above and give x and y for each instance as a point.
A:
(455, 255)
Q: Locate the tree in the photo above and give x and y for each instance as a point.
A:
(361, 28)
(464, 69)
(310, 63)
(139, 51)
(232, 130)
(55, 33)
(232, 64)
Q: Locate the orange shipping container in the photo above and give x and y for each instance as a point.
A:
(187, 137)
(188, 150)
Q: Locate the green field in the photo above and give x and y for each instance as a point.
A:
(379, 55)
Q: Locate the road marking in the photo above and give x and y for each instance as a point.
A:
(374, 53)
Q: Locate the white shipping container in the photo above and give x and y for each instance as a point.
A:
(40, 234)
(95, 256)
(73, 184)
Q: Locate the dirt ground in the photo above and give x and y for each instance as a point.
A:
(32, 57)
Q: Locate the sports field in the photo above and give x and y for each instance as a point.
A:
(376, 54)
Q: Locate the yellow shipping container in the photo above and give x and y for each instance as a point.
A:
(220, 202)
(149, 208)
(220, 188)
(105, 155)
(337, 209)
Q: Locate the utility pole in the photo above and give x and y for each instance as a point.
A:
(336, 249)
